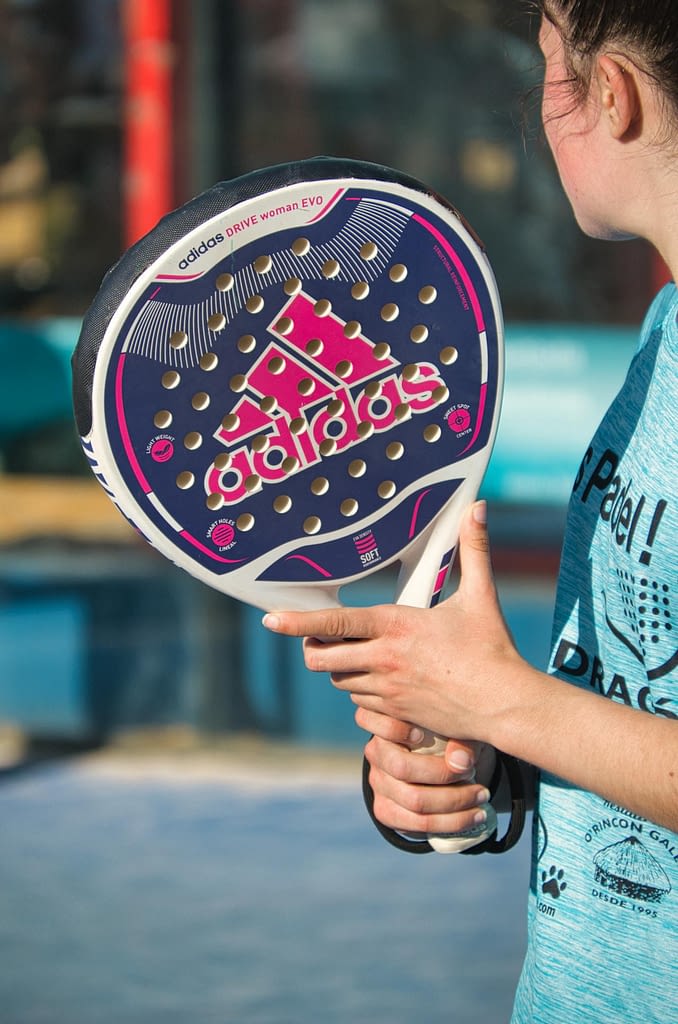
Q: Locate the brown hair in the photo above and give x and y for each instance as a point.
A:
(644, 30)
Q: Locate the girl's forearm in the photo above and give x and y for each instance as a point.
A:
(626, 756)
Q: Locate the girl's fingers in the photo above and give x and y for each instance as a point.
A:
(434, 809)
(388, 728)
(408, 767)
(330, 623)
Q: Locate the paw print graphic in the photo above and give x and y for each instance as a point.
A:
(552, 883)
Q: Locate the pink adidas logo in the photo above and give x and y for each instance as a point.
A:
(319, 387)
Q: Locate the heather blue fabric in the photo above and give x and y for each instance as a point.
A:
(603, 909)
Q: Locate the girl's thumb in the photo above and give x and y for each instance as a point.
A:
(474, 553)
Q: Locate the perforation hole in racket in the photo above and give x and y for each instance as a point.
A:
(268, 404)
(201, 401)
(209, 362)
(448, 355)
(185, 480)
(314, 347)
(276, 365)
(427, 295)
(247, 343)
(298, 426)
(320, 486)
(263, 264)
(260, 443)
(398, 272)
(216, 322)
(179, 340)
(238, 383)
(292, 286)
(284, 326)
(162, 419)
(229, 423)
(327, 447)
(192, 441)
(225, 282)
(386, 490)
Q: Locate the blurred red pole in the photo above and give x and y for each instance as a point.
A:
(147, 129)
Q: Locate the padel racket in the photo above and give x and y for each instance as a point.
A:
(294, 381)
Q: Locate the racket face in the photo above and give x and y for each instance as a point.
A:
(293, 391)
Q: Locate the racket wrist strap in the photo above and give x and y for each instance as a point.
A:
(401, 842)
(504, 763)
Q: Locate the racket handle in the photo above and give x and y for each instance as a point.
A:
(456, 842)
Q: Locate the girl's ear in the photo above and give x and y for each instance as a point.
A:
(619, 96)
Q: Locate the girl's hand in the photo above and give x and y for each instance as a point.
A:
(418, 792)
(448, 668)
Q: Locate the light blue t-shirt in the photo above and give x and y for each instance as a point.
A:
(603, 908)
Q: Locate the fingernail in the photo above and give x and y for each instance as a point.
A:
(416, 735)
(461, 761)
(480, 512)
(483, 796)
(270, 621)
(480, 817)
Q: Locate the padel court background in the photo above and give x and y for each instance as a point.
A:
(181, 831)
(183, 836)
(141, 889)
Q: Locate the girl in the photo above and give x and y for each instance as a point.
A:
(597, 736)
